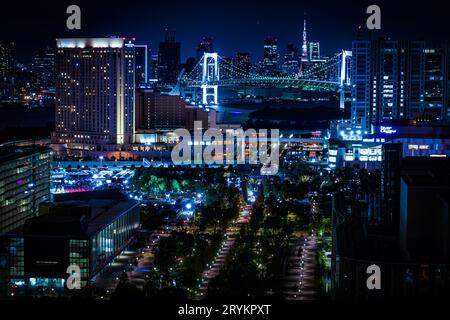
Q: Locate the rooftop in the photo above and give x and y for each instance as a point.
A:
(12, 153)
(77, 214)
(90, 43)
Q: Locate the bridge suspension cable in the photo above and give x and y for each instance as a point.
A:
(213, 71)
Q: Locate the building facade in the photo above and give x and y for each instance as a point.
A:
(87, 230)
(169, 60)
(156, 111)
(314, 51)
(399, 80)
(141, 63)
(291, 64)
(95, 86)
(44, 67)
(7, 57)
(206, 45)
(243, 62)
(24, 184)
(269, 63)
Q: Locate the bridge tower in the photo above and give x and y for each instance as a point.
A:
(344, 78)
(210, 73)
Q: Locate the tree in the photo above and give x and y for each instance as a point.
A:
(125, 290)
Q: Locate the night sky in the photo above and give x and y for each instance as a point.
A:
(234, 25)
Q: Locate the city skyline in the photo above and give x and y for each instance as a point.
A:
(234, 30)
(263, 151)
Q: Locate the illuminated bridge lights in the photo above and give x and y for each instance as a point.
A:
(212, 71)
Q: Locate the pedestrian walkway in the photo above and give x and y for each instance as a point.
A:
(298, 282)
(213, 269)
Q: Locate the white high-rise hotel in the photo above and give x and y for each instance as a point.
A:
(94, 95)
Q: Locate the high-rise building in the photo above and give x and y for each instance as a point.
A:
(204, 46)
(399, 80)
(270, 57)
(243, 62)
(314, 51)
(169, 56)
(7, 54)
(141, 56)
(44, 67)
(95, 86)
(227, 71)
(154, 67)
(189, 65)
(24, 184)
(290, 64)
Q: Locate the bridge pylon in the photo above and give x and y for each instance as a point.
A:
(344, 78)
(210, 72)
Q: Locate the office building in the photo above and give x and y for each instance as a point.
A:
(44, 68)
(204, 46)
(227, 71)
(189, 65)
(7, 56)
(88, 230)
(399, 80)
(141, 65)
(24, 184)
(269, 63)
(169, 60)
(352, 147)
(290, 65)
(314, 51)
(156, 111)
(243, 63)
(154, 67)
(95, 86)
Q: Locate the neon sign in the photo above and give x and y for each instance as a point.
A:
(387, 130)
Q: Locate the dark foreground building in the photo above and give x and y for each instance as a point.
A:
(410, 243)
(84, 229)
(24, 184)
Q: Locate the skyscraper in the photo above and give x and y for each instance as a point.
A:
(189, 65)
(7, 54)
(206, 45)
(169, 56)
(154, 67)
(314, 51)
(270, 57)
(399, 80)
(141, 56)
(243, 62)
(94, 94)
(44, 67)
(290, 64)
(228, 71)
